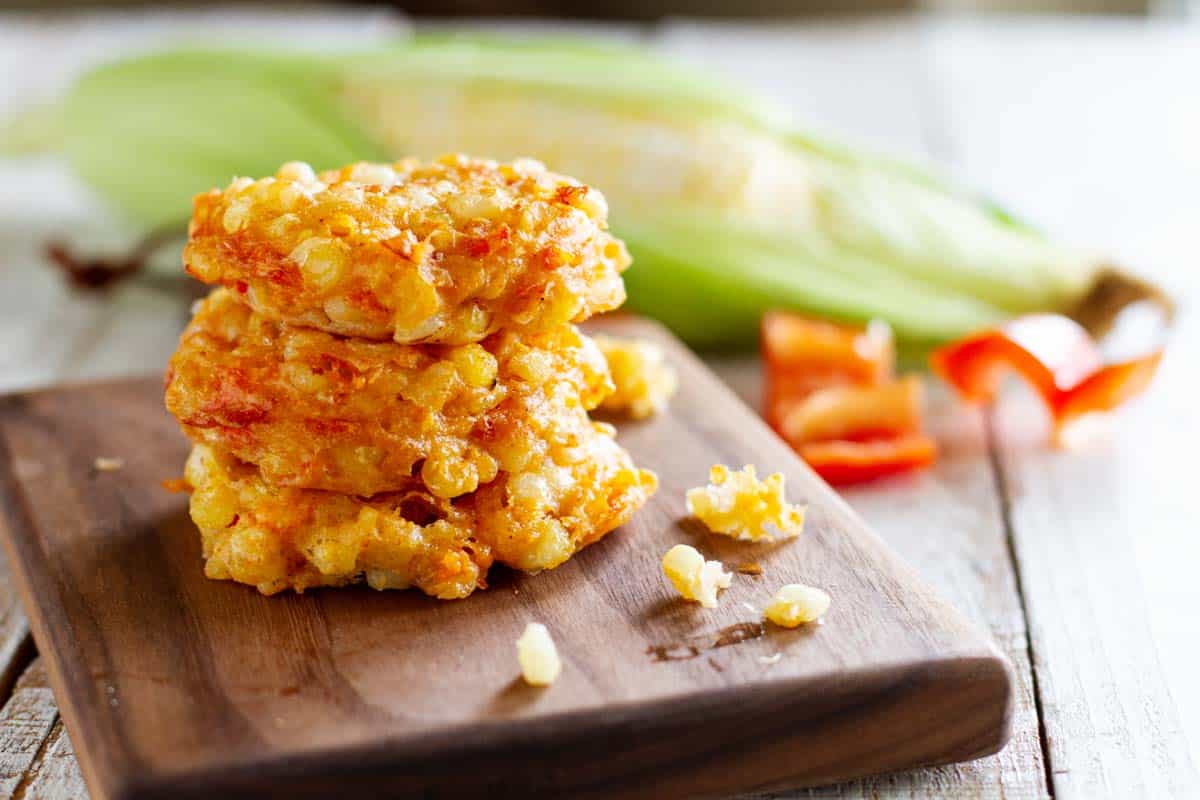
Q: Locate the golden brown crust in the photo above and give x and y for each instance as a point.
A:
(318, 411)
(278, 538)
(537, 520)
(444, 252)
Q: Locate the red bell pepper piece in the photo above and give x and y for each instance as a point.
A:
(845, 462)
(830, 394)
(1058, 358)
(803, 355)
(854, 412)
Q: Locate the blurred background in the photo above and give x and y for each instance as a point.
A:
(652, 9)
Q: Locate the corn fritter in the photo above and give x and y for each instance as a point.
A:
(447, 252)
(313, 410)
(275, 537)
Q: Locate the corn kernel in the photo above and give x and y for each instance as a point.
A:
(296, 171)
(321, 261)
(693, 577)
(476, 366)
(449, 477)
(373, 174)
(537, 655)
(739, 505)
(643, 380)
(796, 604)
(342, 224)
(237, 215)
(434, 386)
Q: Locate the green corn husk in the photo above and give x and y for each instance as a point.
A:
(726, 210)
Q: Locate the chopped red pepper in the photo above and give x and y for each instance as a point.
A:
(830, 394)
(1058, 358)
(843, 462)
(803, 355)
(854, 413)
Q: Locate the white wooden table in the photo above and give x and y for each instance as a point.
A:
(1081, 564)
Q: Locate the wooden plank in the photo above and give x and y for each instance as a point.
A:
(948, 521)
(179, 686)
(36, 758)
(55, 773)
(26, 723)
(1103, 535)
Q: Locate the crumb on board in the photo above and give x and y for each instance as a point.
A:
(770, 660)
(643, 380)
(738, 504)
(796, 604)
(537, 655)
(693, 577)
(749, 568)
(176, 485)
(108, 464)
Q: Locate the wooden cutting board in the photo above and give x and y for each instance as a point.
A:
(175, 686)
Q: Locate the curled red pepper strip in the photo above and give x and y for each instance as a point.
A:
(1057, 357)
(830, 394)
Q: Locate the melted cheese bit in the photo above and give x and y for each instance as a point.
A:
(796, 604)
(538, 656)
(693, 577)
(738, 504)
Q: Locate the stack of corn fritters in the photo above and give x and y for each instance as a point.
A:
(389, 386)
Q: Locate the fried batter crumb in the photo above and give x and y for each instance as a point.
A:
(108, 464)
(644, 380)
(739, 505)
(537, 655)
(693, 577)
(796, 604)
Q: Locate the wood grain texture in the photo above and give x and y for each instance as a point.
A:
(1112, 722)
(947, 522)
(1104, 534)
(36, 758)
(173, 685)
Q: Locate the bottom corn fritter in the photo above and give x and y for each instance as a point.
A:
(277, 538)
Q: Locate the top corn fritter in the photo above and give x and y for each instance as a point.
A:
(447, 252)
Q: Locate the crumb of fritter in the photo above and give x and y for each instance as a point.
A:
(693, 577)
(537, 655)
(538, 519)
(738, 504)
(448, 251)
(796, 604)
(318, 411)
(643, 379)
(749, 568)
(276, 537)
(108, 464)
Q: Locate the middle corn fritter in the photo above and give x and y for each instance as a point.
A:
(326, 456)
